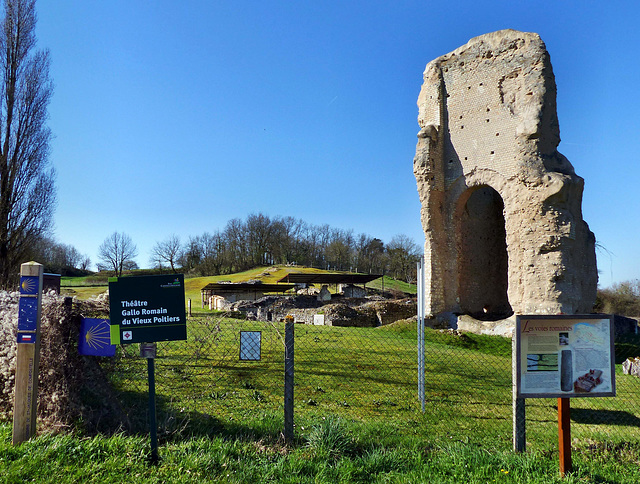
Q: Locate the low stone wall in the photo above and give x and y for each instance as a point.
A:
(343, 315)
(361, 313)
(505, 327)
(388, 312)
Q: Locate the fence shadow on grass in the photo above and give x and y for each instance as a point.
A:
(604, 417)
(176, 424)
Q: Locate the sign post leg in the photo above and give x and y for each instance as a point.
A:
(564, 434)
(288, 379)
(153, 432)
(518, 404)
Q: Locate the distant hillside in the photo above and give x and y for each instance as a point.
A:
(271, 275)
(88, 286)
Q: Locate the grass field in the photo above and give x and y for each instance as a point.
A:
(357, 415)
(367, 375)
(331, 451)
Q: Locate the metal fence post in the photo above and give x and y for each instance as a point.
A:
(519, 417)
(288, 378)
(148, 351)
(421, 311)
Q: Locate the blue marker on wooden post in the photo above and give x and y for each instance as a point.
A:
(28, 352)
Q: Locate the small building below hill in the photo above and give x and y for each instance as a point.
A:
(219, 295)
(234, 292)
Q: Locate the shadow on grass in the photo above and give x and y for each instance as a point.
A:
(176, 424)
(626, 346)
(604, 417)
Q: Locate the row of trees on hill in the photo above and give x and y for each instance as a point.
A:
(621, 298)
(263, 240)
(59, 258)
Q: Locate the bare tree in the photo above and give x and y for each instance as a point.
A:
(117, 252)
(191, 255)
(340, 249)
(260, 229)
(85, 263)
(236, 237)
(403, 254)
(169, 251)
(58, 258)
(214, 253)
(27, 191)
(369, 254)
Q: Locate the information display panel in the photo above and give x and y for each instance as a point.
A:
(565, 356)
(146, 309)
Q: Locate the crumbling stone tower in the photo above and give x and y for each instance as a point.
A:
(501, 207)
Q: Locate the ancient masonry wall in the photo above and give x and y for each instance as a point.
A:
(501, 207)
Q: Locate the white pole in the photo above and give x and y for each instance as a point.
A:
(421, 281)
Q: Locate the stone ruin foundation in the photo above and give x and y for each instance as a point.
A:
(501, 207)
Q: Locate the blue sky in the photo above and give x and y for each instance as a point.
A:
(174, 117)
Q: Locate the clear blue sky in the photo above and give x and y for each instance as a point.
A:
(174, 117)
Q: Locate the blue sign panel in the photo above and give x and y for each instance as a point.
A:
(29, 285)
(95, 338)
(27, 338)
(28, 314)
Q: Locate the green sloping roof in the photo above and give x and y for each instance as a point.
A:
(328, 278)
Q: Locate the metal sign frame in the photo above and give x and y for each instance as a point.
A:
(565, 356)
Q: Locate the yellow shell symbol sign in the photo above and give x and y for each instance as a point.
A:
(28, 285)
(98, 336)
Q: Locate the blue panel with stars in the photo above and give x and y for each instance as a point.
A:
(28, 314)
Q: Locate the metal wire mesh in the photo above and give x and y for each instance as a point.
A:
(366, 374)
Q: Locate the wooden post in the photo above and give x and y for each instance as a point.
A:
(190, 315)
(28, 353)
(564, 434)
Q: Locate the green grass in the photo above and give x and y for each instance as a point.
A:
(356, 414)
(368, 375)
(393, 285)
(330, 450)
(90, 280)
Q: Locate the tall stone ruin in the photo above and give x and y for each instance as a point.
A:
(501, 207)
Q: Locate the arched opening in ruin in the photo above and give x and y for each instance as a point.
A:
(482, 259)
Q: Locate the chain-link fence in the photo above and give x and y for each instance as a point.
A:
(210, 383)
(354, 372)
(363, 374)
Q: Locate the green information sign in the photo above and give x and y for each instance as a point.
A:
(145, 309)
